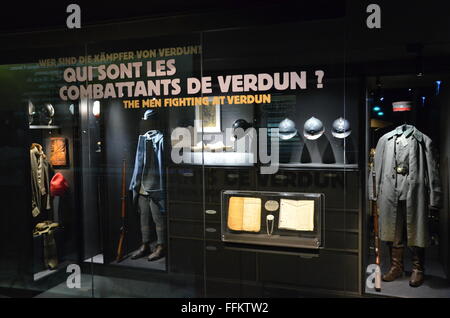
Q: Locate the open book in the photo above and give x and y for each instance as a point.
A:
(296, 215)
(244, 214)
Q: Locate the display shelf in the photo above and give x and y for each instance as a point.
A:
(44, 127)
(320, 166)
(306, 253)
(218, 158)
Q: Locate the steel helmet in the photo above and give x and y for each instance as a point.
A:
(287, 129)
(31, 112)
(48, 113)
(148, 113)
(341, 128)
(240, 123)
(313, 129)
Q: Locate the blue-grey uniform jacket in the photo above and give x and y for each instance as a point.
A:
(148, 173)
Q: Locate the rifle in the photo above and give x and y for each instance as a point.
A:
(123, 229)
(377, 241)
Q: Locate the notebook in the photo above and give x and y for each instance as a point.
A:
(244, 214)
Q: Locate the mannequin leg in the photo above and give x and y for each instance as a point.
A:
(160, 227)
(418, 263)
(397, 247)
(144, 212)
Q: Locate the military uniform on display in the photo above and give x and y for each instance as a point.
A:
(41, 171)
(407, 180)
(43, 187)
(147, 184)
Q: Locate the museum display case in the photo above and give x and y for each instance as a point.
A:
(287, 159)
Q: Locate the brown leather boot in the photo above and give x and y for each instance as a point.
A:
(144, 250)
(418, 267)
(157, 254)
(396, 269)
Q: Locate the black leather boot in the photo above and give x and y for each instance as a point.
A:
(396, 269)
(157, 254)
(418, 267)
(144, 250)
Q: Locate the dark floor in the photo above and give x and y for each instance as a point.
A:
(159, 264)
(107, 287)
(435, 286)
(48, 272)
(142, 263)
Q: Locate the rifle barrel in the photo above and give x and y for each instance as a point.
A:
(122, 214)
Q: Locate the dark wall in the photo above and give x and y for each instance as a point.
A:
(47, 14)
(15, 216)
(444, 103)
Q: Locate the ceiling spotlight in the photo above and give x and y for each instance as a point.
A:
(438, 87)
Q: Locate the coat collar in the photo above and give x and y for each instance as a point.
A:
(37, 150)
(410, 130)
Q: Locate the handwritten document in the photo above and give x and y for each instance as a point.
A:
(296, 215)
(244, 214)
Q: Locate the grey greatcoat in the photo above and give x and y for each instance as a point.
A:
(41, 171)
(424, 188)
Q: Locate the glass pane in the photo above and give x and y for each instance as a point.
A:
(407, 163)
(42, 219)
(144, 213)
(406, 120)
(280, 162)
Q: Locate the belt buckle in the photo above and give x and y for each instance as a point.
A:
(401, 170)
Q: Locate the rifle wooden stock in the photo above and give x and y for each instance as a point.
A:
(123, 215)
(120, 247)
(376, 234)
